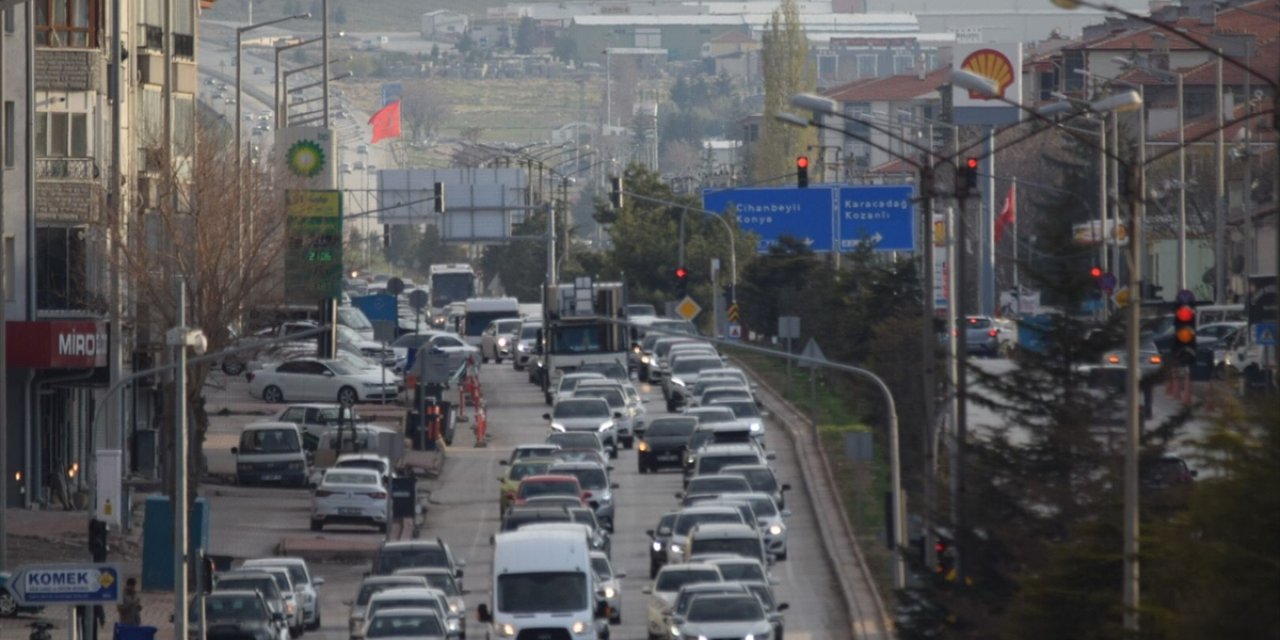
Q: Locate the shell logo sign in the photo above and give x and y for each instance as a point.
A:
(991, 64)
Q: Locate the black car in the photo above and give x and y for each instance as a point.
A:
(664, 442)
(658, 542)
(239, 615)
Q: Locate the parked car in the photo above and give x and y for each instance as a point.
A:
(9, 606)
(312, 379)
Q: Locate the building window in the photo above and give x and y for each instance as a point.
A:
(61, 276)
(9, 23)
(828, 66)
(62, 135)
(868, 66)
(66, 23)
(10, 264)
(903, 64)
(648, 38)
(9, 154)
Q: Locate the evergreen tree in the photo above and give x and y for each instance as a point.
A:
(526, 36)
(784, 56)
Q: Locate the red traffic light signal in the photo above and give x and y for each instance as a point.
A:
(1185, 315)
(682, 273)
(972, 163)
(802, 162)
(1096, 272)
(802, 171)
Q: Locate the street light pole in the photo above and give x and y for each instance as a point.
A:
(179, 501)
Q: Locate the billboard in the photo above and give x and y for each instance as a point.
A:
(773, 212)
(1003, 64)
(313, 245)
(883, 215)
(482, 204)
(307, 155)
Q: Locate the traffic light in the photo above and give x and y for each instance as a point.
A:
(1184, 334)
(946, 557)
(438, 197)
(1096, 272)
(682, 282)
(386, 236)
(98, 540)
(802, 171)
(615, 192)
(967, 179)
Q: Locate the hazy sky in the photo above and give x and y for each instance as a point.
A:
(896, 6)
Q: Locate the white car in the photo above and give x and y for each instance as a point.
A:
(306, 584)
(497, 341)
(350, 496)
(662, 593)
(400, 598)
(370, 461)
(318, 380)
(406, 623)
(609, 584)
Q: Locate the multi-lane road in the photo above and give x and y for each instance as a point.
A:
(463, 510)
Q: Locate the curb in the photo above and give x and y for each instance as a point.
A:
(874, 624)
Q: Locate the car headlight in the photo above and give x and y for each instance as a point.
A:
(556, 426)
(502, 342)
(610, 592)
(507, 630)
(775, 530)
(642, 447)
(522, 348)
(578, 627)
(756, 427)
(657, 546)
(605, 426)
(675, 548)
(749, 636)
(453, 625)
(689, 460)
(456, 605)
(675, 631)
(644, 359)
(677, 381)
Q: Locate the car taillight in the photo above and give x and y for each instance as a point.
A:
(1156, 360)
(321, 493)
(992, 333)
(1113, 358)
(378, 495)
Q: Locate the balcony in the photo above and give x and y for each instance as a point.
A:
(66, 169)
(184, 45)
(68, 190)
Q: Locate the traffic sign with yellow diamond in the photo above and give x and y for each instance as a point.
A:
(688, 309)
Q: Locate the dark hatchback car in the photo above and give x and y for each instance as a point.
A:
(664, 443)
(658, 539)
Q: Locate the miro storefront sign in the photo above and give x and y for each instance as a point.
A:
(313, 248)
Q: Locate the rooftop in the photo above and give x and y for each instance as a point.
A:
(899, 88)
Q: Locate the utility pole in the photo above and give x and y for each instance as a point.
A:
(927, 350)
(1182, 193)
(179, 501)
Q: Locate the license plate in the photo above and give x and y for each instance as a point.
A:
(347, 511)
(667, 456)
(271, 476)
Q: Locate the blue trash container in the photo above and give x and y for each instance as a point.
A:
(134, 632)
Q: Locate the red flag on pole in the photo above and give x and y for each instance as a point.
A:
(1007, 214)
(386, 122)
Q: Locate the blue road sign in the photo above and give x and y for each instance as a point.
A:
(67, 584)
(1264, 333)
(376, 307)
(1185, 296)
(773, 212)
(1108, 282)
(883, 215)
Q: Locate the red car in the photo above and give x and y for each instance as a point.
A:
(547, 485)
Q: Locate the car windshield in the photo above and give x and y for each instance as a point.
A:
(665, 523)
(672, 427)
(610, 370)
(442, 581)
(740, 408)
(529, 331)
(742, 571)
(532, 452)
(673, 580)
(725, 609)
(297, 573)
(976, 323)
(611, 396)
(390, 560)
(634, 310)
(714, 417)
(713, 464)
(749, 547)
(265, 586)
(602, 568)
(478, 321)
(549, 488)
(693, 365)
(411, 340)
(588, 477)
(338, 477)
(687, 521)
(406, 625)
(270, 441)
(569, 383)
(233, 608)
(763, 592)
(522, 470)
(584, 408)
(578, 440)
(541, 592)
(763, 506)
(507, 326)
(398, 603)
(368, 589)
(716, 485)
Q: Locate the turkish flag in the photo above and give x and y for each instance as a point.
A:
(386, 122)
(1007, 214)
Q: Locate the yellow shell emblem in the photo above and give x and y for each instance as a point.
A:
(991, 64)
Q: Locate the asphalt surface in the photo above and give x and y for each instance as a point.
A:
(463, 510)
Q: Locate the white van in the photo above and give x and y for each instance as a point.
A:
(1211, 313)
(479, 312)
(271, 453)
(543, 580)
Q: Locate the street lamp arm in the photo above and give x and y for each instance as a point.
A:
(259, 25)
(799, 121)
(1201, 136)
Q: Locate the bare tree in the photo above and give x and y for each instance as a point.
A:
(681, 158)
(188, 228)
(424, 109)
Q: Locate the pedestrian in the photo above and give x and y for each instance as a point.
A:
(130, 608)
